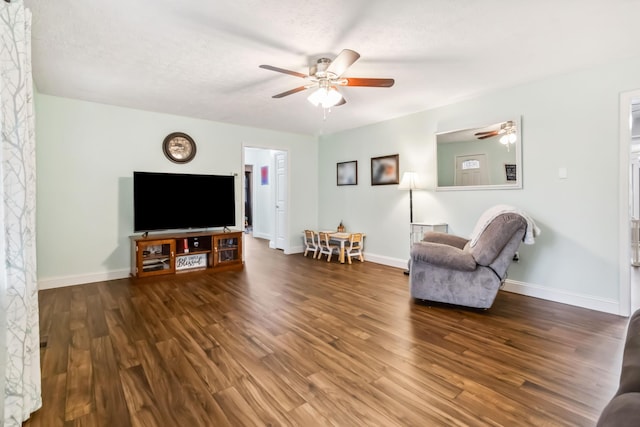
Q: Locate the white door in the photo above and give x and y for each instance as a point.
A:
(472, 170)
(281, 200)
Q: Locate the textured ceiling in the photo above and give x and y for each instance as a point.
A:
(200, 58)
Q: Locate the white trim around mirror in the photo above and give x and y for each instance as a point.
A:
(463, 148)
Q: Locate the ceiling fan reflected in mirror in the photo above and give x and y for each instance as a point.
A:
(505, 127)
(325, 76)
(507, 130)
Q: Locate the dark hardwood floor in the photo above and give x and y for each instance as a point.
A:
(294, 341)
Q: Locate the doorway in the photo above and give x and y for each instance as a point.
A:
(281, 192)
(629, 289)
(267, 204)
(471, 170)
(248, 198)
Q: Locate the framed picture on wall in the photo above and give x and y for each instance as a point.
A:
(510, 172)
(385, 170)
(347, 173)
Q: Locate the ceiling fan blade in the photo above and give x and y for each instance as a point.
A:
(290, 92)
(357, 81)
(488, 136)
(344, 60)
(495, 132)
(282, 70)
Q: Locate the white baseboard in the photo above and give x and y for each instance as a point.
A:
(564, 297)
(295, 250)
(81, 279)
(259, 235)
(385, 260)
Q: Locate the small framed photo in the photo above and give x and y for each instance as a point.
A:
(347, 173)
(385, 170)
(510, 172)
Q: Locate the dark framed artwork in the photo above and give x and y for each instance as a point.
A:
(385, 170)
(510, 172)
(347, 173)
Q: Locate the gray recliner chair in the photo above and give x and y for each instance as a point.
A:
(451, 269)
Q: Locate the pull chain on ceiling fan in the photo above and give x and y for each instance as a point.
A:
(326, 76)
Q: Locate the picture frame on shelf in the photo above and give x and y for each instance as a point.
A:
(385, 170)
(347, 173)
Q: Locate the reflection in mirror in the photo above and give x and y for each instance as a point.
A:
(485, 157)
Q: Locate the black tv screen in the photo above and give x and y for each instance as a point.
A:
(170, 201)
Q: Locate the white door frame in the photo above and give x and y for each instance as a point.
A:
(286, 248)
(625, 197)
(280, 237)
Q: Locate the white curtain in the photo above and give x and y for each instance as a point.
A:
(19, 335)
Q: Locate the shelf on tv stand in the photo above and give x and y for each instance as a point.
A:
(157, 254)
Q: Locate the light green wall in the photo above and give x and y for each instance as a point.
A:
(86, 153)
(568, 121)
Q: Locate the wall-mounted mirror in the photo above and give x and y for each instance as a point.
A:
(479, 158)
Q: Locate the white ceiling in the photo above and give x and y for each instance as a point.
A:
(200, 58)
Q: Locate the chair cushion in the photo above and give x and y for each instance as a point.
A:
(622, 411)
(445, 239)
(443, 256)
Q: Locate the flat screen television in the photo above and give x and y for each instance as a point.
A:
(173, 201)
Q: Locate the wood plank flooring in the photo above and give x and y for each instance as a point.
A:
(292, 341)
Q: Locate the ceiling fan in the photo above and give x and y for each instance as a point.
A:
(506, 127)
(326, 75)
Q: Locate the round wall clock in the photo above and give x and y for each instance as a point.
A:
(179, 147)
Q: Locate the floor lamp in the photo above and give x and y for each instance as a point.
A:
(409, 182)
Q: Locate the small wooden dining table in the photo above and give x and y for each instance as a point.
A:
(341, 238)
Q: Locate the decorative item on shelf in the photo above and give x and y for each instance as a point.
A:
(179, 147)
(185, 247)
(341, 227)
(194, 261)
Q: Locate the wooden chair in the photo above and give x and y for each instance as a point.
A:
(355, 247)
(326, 247)
(311, 242)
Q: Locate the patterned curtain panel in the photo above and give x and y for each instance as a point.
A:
(19, 337)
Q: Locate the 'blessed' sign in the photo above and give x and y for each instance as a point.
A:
(191, 261)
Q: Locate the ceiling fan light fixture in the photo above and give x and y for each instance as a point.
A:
(508, 138)
(327, 97)
(325, 75)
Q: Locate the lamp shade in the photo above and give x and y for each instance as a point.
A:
(410, 181)
(327, 97)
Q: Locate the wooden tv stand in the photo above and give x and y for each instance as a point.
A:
(172, 253)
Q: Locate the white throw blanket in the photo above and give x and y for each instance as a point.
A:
(529, 236)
